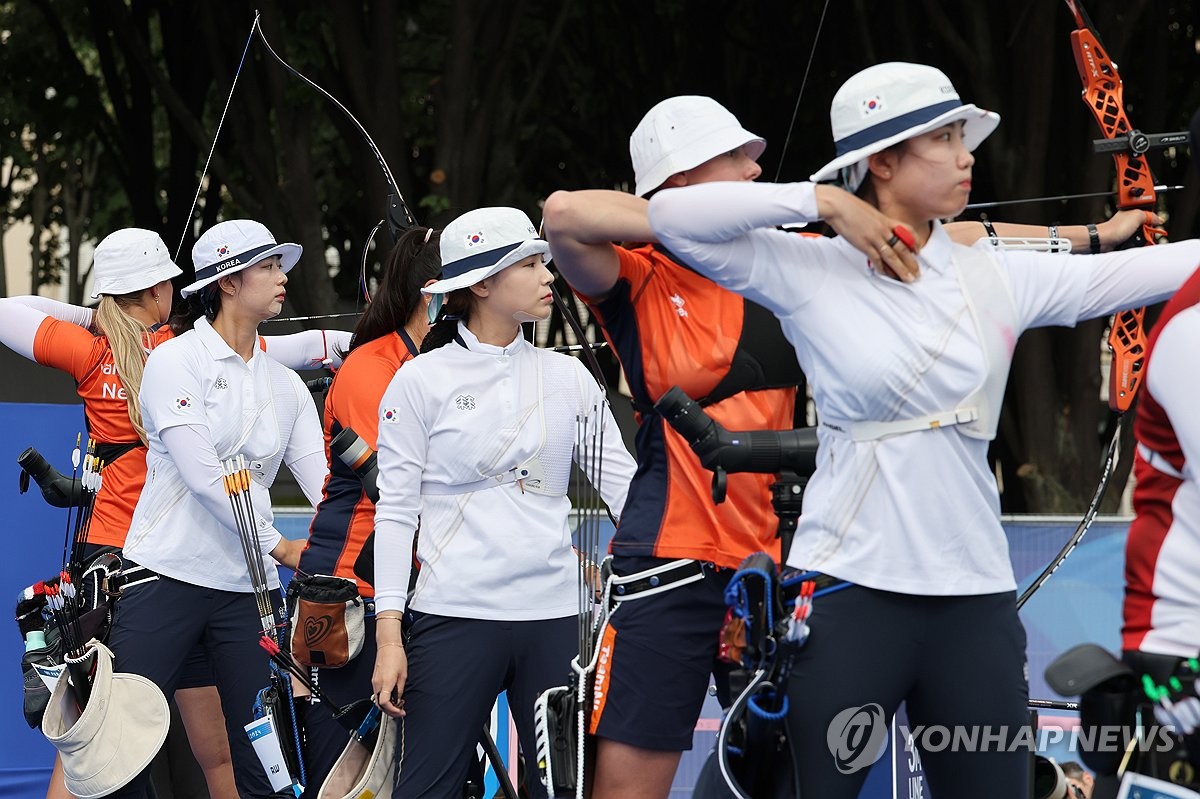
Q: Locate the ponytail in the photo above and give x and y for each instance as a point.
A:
(205, 302)
(128, 339)
(457, 308)
(412, 262)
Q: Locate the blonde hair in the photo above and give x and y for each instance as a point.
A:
(128, 339)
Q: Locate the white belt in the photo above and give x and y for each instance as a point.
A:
(1159, 462)
(873, 431)
(441, 489)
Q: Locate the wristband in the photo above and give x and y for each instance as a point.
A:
(1093, 238)
(1053, 231)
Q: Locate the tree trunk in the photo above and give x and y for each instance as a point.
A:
(39, 201)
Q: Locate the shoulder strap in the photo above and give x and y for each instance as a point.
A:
(992, 309)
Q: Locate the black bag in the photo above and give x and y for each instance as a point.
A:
(98, 589)
(37, 695)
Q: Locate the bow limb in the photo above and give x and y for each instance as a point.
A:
(399, 215)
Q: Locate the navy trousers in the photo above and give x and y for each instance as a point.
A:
(158, 624)
(958, 661)
(456, 668)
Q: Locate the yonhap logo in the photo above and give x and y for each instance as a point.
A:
(857, 737)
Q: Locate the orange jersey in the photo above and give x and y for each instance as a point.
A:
(670, 326)
(89, 360)
(345, 517)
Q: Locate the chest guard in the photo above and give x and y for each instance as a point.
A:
(993, 313)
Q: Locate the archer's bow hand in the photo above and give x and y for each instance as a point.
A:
(1128, 229)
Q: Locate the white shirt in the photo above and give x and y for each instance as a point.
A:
(916, 513)
(467, 412)
(210, 405)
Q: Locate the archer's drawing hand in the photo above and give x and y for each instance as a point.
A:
(891, 252)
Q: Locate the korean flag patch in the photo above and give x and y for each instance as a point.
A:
(389, 416)
(183, 403)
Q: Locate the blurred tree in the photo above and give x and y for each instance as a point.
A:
(476, 103)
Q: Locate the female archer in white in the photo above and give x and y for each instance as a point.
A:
(476, 438)
(907, 376)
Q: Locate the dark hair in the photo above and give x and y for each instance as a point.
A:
(457, 308)
(205, 302)
(866, 189)
(412, 262)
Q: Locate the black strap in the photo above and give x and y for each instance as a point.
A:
(790, 583)
(764, 358)
(109, 452)
(991, 231)
(660, 579)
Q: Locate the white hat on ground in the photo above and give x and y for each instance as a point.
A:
(117, 734)
(362, 773)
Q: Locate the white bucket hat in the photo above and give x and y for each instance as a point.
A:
(129, 260)
(118, 733)
(482, 242)
(362, 773)
(231, 246)
(681, 133)
(889, 103)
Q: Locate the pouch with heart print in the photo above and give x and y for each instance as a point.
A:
(327, 620)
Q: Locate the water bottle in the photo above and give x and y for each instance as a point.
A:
(35, 639)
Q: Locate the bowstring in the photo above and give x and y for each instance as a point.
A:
(187, 225)
(803, 82)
